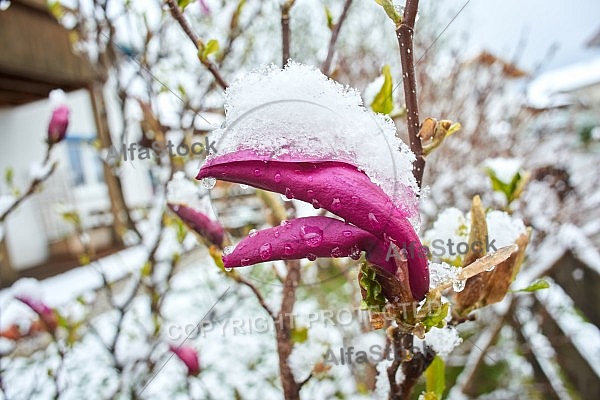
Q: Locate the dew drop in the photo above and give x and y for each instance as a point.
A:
(337, 252)
(373, 220)
(354, 252)
(311, 256)
(277, 177)
(459, 285)
(347, 233)
(265, 251)
(245, 262)
(257, 172)
(228, 250)
(312, 235)
(288, 249)
(288, 193)
(336, 204)
(209, 182)
(276, 233)
(175, 208)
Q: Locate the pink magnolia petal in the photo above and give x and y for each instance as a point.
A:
(309, 237)
(335, 186)
(209, 229)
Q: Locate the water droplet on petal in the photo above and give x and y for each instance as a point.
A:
(288, 249)
(336, 204)
(175, 208)
(311, 256)
(337, 252)
(312, 235)
(373, 220)
(354, 252)
(288, 193)
(277, 177)
(228, 250)
(209, 182)
(459, 285)
(265, 251)
(257, 172)
(347, 233)
(245, 262)
(276, 233)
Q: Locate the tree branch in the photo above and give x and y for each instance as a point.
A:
(405, 39)
(334, 36)
(178, 16)
(285, 31)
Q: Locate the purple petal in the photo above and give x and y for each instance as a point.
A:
(335, 186)
(45, 313)
(199, 222)
(309, 237)
(189, 356)
(59, 122)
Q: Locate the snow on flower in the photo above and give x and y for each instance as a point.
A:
(297, 133)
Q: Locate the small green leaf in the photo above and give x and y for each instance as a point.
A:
(299, 334)
(329, 17)
(9, 175)
(383, 102)
(390, 10)
(435, 377)
(209, 48)
(217, 257)
(373, 296)
(183, 3)
(535, 286)
(437, 319)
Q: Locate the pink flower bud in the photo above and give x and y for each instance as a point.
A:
(189, 356)
(45, 313)
(57, 128)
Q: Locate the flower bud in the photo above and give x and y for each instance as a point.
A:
(46, 314)
(57, 128)
(189, 356)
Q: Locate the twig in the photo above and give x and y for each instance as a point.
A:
(212, 68)
(405, 39)
(283, 328)
(240, 279)
(285, 31)
(32, 188)
(334, 36)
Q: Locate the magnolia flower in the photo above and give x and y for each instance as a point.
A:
(46, 314)
(189, 356)
(211, 230)
(57, 127)
(338, 187)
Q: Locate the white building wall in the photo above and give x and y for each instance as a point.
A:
(22, 146)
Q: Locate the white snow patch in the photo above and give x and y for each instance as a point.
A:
(299, 110)
(504, 168)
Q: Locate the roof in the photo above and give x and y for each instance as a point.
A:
(35, 60)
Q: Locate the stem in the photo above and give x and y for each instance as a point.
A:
(405, 39)
(32, 186)
(285, 31)
(334, 36)
(178, 16)
(283, 328)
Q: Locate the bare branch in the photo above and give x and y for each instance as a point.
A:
(212, 68)
(334, 36)
(285, 31)
(405, 34)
